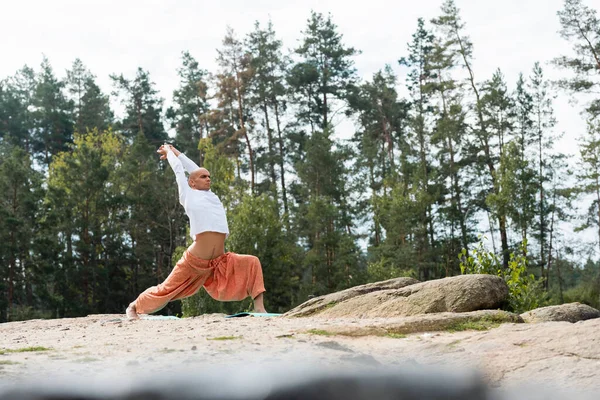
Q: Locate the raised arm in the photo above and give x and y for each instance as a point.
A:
(182, 184)
(188, 164)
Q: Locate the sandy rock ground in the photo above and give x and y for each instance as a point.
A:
(550, 354)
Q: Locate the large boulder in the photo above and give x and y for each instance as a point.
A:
(571, 312)
(462, 293)
(320, 303)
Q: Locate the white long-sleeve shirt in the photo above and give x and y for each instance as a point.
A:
(203, 207)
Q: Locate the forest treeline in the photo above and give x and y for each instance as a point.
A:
(90, 218)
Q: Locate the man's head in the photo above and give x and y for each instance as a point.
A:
(199, 179)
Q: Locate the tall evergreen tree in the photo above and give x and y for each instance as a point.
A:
(452, 27)
(456, 208)
(324, 73)
(53, 126)
(266, 93)
(524, 200)
(189, 116)
(143, 107)
(20, 195)
(91, 108)
(79, 184)
(233, 79)
(544, 139)
(581, 27)
(16, 102)
(419, 84)
(324, 217)
(381, 137)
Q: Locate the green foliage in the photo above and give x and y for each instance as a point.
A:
(221, 338)
(325, 72)
(581, 27)
(89, 217)
(30, 349)
(525, 291)
(319, 332)
(385, 269)
(143, 107)
(25, 312)
(482, 325)
(396, 335)
(221, 170)
(189, 116)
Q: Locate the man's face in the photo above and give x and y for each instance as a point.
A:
(199, 179)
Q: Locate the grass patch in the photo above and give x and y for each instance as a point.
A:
(25, 350)
(165, 350)
(320, 332)
(8, 362)
(225, 338)
(396, 335)
(481, 325)
(289, 335)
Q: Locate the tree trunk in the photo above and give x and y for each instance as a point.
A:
(281, 159)
(271, 153)
(483, 134)
(541, 208)
(242, 124)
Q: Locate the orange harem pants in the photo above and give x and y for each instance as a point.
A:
(229, 277)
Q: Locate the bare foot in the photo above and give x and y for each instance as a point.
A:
(260, 310)
(131, 312)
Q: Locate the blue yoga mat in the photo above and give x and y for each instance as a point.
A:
(252, 314)
(155, 317)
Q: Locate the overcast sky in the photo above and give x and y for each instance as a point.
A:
(118, 36)
(112, 36)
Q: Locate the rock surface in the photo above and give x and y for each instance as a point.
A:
(455, 294)
(448, 323)
(571, 312)
(474, 320)
(549, 354)
(320, 303)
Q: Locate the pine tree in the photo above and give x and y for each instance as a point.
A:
(581, 27)
(266, 92)
(323, 216)
(78, 185)
(52, 116)
(544, 121)
(16, 101)
(143, 107)
(189, 116)
(324, 74)
(235, 73)
(589, 175)
(419, 84)
(524, 201)
(452, 28)
(91, 108)
(456, 203)
(380, 138)
(20, 195)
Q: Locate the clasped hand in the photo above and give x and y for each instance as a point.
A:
(162, 150)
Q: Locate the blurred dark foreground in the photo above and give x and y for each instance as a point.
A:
(279, 382)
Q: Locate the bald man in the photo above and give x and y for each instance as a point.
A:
(225, 276)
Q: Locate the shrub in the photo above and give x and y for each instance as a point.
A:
(525, 291)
